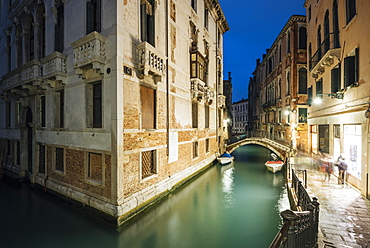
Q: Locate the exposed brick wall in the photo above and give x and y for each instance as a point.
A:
(74, 173)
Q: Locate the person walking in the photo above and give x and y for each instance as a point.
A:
(342, 167)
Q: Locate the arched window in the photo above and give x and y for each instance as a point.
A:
(19, 45)
(310, 55)
(288, 83)
(302, 83)
(319, 42)
(335, 24)
(9, 51)
(326, 31)
(41, 33)
(302, 38)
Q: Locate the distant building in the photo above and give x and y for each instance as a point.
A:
(228, 93)
(240, 116)
(111, 103)
(339, 83)
(278, 88)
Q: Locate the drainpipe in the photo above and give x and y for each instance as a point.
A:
(217, 85)
(167, 85)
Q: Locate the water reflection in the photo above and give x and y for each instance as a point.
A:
(228, 185)
(228, 206)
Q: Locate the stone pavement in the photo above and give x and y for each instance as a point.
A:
(344, 218)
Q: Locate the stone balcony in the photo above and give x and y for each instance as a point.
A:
(89, 53)
(325, 54)
(221, 101)
(29, 73)
(150, 61)
(197, 89)
(54, 67)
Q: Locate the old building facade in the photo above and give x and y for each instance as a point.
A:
(240, 116)
(118, 110)
(278, 88)
(338, 54)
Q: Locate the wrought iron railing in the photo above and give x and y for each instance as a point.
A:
(331, 41)
(300, 228)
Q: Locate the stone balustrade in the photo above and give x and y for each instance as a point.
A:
(29, 72)
(150, 60)
(89, 52)
(54, 66)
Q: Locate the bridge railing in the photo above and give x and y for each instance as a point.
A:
(300, 228)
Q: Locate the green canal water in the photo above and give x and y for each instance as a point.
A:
(237, 205)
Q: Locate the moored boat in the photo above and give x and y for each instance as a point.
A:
(225, 158)
(274, 166)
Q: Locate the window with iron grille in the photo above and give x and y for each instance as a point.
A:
(95, 166)
(195, 149)
(207, 145)
(42, 159)
(59, 159)
(148, 163)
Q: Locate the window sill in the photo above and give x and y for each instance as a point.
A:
(94, 182)
(148, 177)
(350, 22)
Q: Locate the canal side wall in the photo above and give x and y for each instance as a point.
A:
(132, 205)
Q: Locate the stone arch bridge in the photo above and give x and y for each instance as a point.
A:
(280, 150)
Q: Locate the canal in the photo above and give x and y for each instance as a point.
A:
(237, 205)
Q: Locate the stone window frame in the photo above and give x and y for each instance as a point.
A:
(195, 149)
(54, 162)
(87, 168)
(59, 106)
(89, 98)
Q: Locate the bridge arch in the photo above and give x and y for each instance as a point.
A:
(280, 150)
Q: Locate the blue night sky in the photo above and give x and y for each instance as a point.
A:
(254, 26)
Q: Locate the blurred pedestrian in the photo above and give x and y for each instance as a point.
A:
(342, 167)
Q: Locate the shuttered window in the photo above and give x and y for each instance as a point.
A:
(351, 69)
(194, 117)
(148, 108)
(335, 79)
(95, 166)
(319, 88)
(97, 105)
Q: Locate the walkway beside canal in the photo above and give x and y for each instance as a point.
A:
(344, 213)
